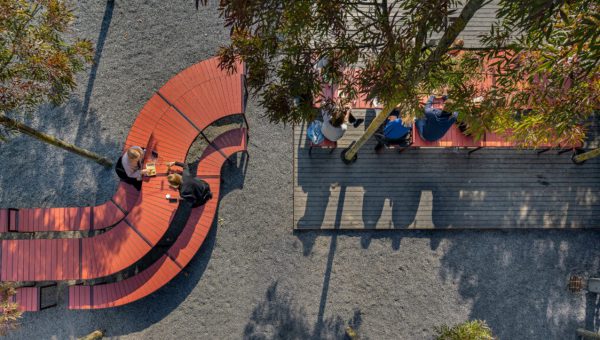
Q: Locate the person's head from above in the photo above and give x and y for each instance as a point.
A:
(456, 47)
(395, 114)
(174, 180)
(134, 154)
(458, 44)
(337, 118)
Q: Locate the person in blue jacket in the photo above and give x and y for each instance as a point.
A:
(436, 122)
(394, 132)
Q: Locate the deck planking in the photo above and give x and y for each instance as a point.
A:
(441, 188)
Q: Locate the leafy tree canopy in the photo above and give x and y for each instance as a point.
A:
(37, 63)
(9, 311)
(382, 49)
(548, 85)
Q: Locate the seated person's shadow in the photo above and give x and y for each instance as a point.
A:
(405, 204)
(371, 208)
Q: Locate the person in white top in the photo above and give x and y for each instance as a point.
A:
(129, 167)
(334, 123)
(333, 128)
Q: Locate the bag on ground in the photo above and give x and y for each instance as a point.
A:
(313, 132)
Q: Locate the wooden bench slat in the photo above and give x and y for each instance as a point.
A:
(28, 299)
(122, 292)
(3, 220)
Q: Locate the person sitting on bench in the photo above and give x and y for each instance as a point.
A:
(436, 122)
(394, 132)
(129, 167)
(334, 123)
(191, 188)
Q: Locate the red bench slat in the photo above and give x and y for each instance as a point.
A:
(111, 252)
(128, 290)
(28, 299)
(21, 259)
(3, 220)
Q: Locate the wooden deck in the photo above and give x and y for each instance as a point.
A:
(441, 188)
(480, 23)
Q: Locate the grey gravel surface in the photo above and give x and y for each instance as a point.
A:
(254, 277)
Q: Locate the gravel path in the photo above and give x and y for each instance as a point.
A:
(254, 277)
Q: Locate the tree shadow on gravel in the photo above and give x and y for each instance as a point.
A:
(519, 283)
(51, 171)
(278, 317)
(106, 19)
(592, 311)
(58, 121)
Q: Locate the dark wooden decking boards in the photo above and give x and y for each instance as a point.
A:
(441, 188)
(478, 25)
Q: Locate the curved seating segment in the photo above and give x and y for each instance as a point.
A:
(142, 218)
(203, 91)
(183, 249)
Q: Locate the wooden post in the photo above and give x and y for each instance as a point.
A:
(580, 158)
(351, 333)
(95, 335)
(587, 334)
(349, 155)
(13, 124)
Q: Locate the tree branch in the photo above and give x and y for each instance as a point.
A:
(449, 36)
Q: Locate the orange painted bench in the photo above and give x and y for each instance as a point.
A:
(70, 219)
(325, 144)
(183, 249)
(171, 130)
(29, 299)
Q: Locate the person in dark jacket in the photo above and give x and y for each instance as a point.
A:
(436, 122)
(394, 132)
(191, 188)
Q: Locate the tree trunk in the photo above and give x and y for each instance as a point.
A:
(442, 48)
(582, 157)
(13, 124)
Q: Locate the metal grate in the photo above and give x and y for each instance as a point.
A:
(575, 284)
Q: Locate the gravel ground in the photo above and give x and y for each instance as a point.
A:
(254, 278)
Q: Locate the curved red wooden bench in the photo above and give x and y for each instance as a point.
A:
(169, 131)
(183, 249)
(203, 91)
